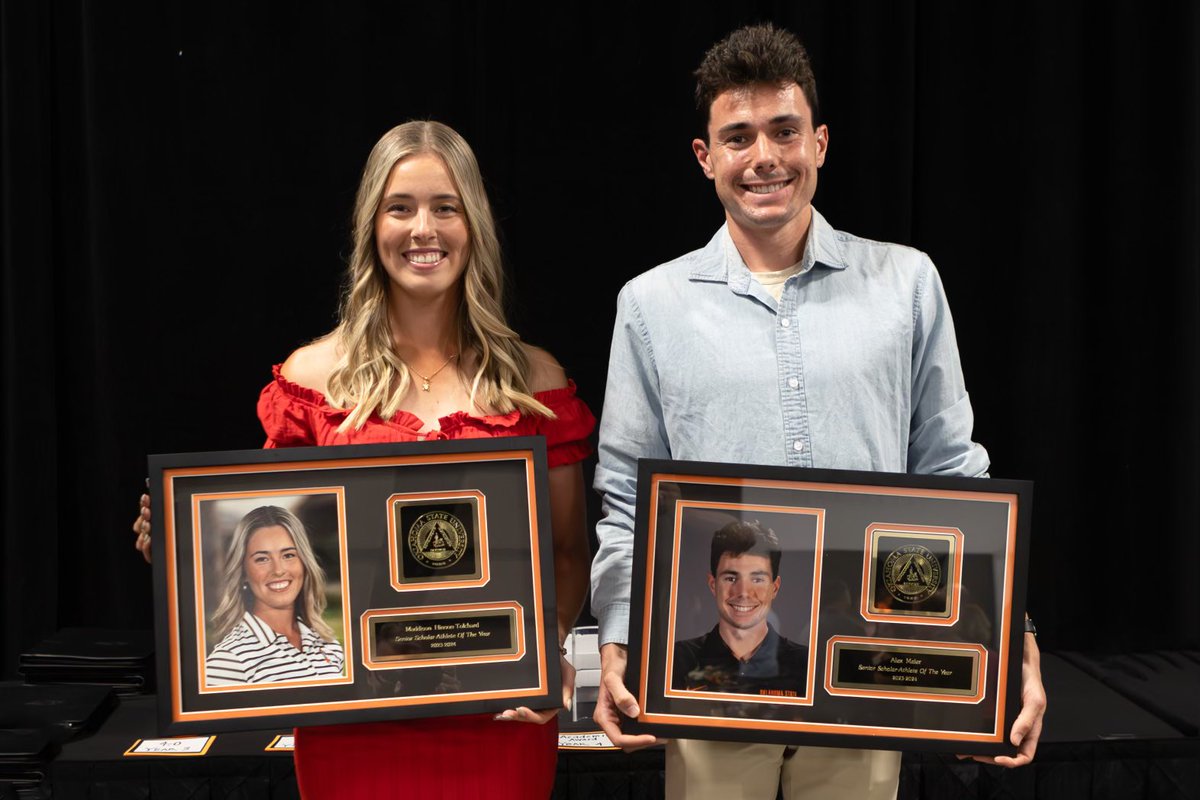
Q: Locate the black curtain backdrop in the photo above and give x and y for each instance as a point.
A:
(177, 179)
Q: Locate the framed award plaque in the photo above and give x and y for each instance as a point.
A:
(320, 585)
(828, 607)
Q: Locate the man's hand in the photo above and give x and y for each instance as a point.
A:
(615, 700)
(1027, 728)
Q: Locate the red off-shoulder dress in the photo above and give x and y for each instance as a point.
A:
(458, 758)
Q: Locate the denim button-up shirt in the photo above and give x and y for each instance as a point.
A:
(856, 367)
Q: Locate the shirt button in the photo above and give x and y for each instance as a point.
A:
(792, 382)
(785, 322)
(797, 445)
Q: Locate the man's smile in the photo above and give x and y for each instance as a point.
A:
(767, 188)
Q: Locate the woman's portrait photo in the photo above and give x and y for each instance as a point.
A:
(272, 590)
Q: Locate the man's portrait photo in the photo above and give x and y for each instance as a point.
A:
(756, 614)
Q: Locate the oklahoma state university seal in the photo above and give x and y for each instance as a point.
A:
(912, 573)
(437, 539)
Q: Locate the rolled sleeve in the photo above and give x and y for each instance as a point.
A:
(942, 419)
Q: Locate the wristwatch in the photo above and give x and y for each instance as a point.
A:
(1030, 627)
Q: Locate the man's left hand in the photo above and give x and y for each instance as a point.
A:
(1027, 728)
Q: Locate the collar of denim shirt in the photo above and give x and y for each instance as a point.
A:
(720, 261)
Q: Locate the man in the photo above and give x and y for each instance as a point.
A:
(743, 654)
(783, 341)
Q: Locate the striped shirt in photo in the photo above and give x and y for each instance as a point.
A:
(253, 653)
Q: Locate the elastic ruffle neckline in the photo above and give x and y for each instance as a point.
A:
(406, 419)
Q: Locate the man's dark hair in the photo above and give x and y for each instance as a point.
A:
(742, 538)
(750, 55)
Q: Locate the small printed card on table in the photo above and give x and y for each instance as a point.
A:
(178, 746)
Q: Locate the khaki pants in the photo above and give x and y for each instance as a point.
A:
(702, 770)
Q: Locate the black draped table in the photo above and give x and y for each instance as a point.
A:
(1117, 727)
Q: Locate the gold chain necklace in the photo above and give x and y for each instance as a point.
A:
(425, 379)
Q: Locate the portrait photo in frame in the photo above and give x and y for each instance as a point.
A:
(253, 540)
(712, 585)
(261, 551)
(904, 593)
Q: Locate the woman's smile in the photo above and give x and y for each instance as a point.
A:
(425, 258)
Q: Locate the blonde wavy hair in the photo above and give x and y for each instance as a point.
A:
(236, 597)
(369, 377)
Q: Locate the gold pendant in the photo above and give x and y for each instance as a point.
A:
(425, 385)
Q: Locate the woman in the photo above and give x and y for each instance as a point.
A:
(421, 352)
(268, 622)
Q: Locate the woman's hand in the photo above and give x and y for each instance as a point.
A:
(141, 526)
(524, 714)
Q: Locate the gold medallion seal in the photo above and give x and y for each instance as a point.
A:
(437, 539)
(912, 573)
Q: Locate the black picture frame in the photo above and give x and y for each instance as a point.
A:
(896, 619)
(478, 638)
